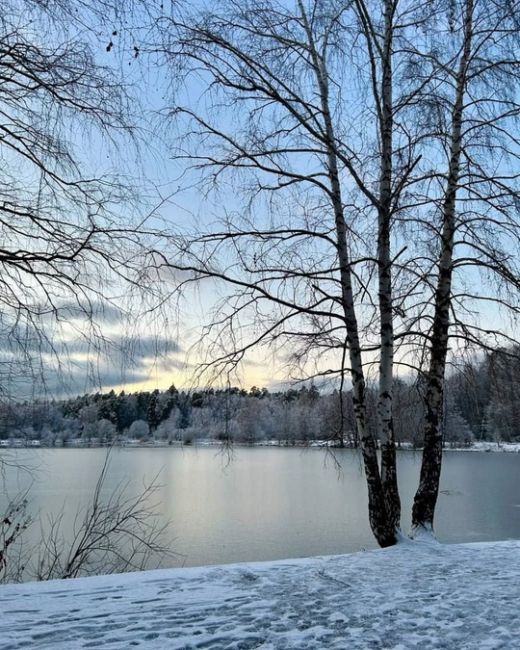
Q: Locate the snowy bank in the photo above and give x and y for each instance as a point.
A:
(415, 595)
(79, 443)
(507, 447)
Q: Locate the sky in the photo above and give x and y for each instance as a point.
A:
(126, 345)
(118, 346)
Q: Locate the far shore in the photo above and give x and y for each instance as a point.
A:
(90, 443)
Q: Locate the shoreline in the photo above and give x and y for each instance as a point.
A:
(127, 443)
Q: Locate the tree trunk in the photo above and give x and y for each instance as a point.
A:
(386, 362)
(382, 526)
(427, 492)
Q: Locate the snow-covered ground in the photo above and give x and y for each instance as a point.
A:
(512, 447)
(416, 595)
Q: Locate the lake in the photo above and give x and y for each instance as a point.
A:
(271, 503)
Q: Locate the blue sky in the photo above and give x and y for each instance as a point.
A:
(126, 348)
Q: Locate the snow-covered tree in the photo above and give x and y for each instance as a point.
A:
(138, 430)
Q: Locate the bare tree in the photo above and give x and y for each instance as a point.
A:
(473, 112)
(116, 531)
(13, 525)
(366, 157)
(64, 239)
(113, 534)
(69, 236)
(283, 75)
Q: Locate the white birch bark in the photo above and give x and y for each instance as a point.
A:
(382, 527)
(386, 362)
(427, 492)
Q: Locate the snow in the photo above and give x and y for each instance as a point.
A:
(418, 594)
(511, 447)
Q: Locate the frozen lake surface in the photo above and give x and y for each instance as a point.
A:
(273, 503)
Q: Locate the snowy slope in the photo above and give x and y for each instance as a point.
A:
(415, 595)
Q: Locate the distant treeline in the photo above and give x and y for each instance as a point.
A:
(482, 402)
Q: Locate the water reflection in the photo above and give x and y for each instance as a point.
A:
(271, 503)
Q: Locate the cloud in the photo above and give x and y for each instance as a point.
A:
(100, 312)
(36, 362)
(45, 340)
(146, 347)
(52, 378)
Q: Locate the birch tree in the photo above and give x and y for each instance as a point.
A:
(477, 110)
(348, 131)
(283, 75)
